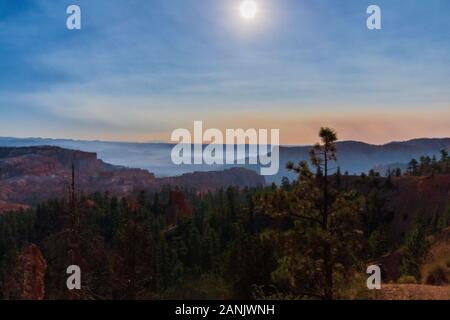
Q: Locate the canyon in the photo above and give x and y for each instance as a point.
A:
(30, 175)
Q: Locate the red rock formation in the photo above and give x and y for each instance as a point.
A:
(11, 206)
(32, 175)
(26, 281)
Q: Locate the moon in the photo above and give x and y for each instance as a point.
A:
(248, 9)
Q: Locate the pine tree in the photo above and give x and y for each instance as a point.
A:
(325, 237)
(413, 167)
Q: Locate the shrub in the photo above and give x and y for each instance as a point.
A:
(407, 280)
(437, 275)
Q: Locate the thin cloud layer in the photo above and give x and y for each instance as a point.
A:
(139, 69)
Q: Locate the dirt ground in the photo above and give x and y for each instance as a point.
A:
(412, 292)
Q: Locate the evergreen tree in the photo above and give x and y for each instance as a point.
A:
(415, 248)
(324, 244)
(413, 167)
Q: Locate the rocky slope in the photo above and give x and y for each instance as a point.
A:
(429, 195)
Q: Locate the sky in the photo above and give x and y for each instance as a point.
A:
(139, 69)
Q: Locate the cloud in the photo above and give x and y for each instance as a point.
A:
(139, 69)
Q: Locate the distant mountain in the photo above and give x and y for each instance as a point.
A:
(29, 175)
(357, 157)
(354, 157)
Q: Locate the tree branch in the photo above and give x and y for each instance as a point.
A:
(306, 218)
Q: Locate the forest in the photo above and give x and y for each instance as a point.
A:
(309, 238)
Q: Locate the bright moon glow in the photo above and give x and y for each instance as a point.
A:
(249, 9)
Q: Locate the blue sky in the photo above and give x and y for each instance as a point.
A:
(139, 69)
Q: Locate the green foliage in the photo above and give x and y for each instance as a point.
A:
(323, 247)
(377, 216)
(430, 165)
(377, 244)
(415, 248)
(16, 230)
(127, 250)
(443, 219)
(407, 280)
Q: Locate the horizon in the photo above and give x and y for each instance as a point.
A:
(174, 143)
(192, 60)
